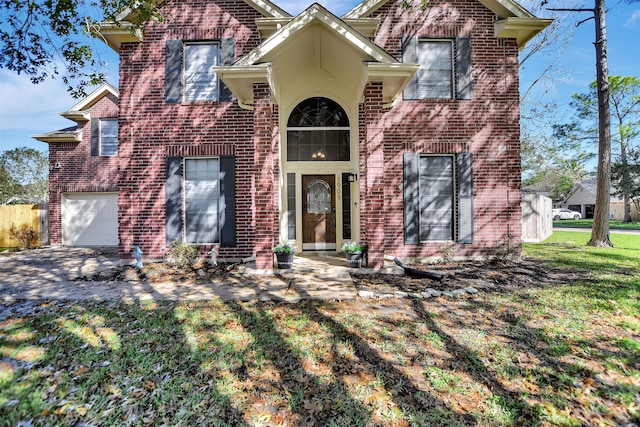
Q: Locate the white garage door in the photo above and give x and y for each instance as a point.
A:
(90, 219)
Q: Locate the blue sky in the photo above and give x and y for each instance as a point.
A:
(27, 109)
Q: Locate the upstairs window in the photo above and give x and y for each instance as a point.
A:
(189, 74)
(445, 68)
(200, 81)
(104, 137)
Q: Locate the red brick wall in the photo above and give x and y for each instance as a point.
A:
(80, 171)
(487, 126)
(151, 129)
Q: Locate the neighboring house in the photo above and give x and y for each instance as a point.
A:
(83, 173)
(241, 126)
(582, 198)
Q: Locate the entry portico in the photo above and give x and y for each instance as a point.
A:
(318, 79)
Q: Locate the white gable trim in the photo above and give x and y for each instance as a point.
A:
(92, 98)
(364, 9)
(316, 13)
(267, 8)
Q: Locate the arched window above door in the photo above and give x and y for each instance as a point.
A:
(318, 130)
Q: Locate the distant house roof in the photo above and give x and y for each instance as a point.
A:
(589, 186)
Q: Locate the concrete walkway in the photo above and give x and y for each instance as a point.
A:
(54, 273)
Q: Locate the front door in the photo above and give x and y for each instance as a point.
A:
(318, 212)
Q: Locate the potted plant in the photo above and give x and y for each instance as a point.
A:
(354, 252)
(284, 255)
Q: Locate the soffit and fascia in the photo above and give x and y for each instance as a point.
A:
(256, 65)
(514, 20)
(78, 113)
(70, 134)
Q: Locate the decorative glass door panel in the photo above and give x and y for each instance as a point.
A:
(319, 212)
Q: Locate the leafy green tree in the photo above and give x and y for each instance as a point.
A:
(48, 38)
(552, 166)
(24, 176)
(627, 177)
(624, 100)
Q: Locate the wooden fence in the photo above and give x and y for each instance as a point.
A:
(34, 216)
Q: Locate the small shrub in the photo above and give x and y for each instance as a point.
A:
(283, 248)
(507, 248)
(183, 254)
(447, 251)
(26, 236)
(354, 247)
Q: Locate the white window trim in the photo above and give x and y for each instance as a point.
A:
(100, 138)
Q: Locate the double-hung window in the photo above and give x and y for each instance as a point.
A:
(200, 81)
(445, 68)
(104, 137)
(435, 76)
(438, 198)
(200, 200)
(189, 74)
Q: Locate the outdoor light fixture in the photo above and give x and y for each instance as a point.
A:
(352, 176)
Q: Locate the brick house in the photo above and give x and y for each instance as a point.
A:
(83, 173)
(241, 126)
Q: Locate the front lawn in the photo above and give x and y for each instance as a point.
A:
(550, 352)
(588, 223)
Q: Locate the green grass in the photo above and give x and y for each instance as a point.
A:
(562, 352)
(588, 223)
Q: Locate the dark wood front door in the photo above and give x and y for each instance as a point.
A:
(318, 212)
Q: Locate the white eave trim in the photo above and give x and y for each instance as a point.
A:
(365, 26)
(114, 34)
(521, 29)
(240, 80)
(506, 8)
(332, 23)
(394, 77)
(94, 96)
(77, 116)
(364, 9)
(268, 9)
(53, 137)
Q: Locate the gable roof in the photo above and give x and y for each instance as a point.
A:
(77, 113)
(255, 66)
(590, 186)
(515, 21)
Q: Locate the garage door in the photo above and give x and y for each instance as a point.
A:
(90, 219)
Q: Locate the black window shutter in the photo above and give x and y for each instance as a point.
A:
(410, 56)
(95, 137)
(173, 202)
(227, 201)
(465, 197)
(463, 68)
(410, 185)
(173, 71)
(227, 57)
